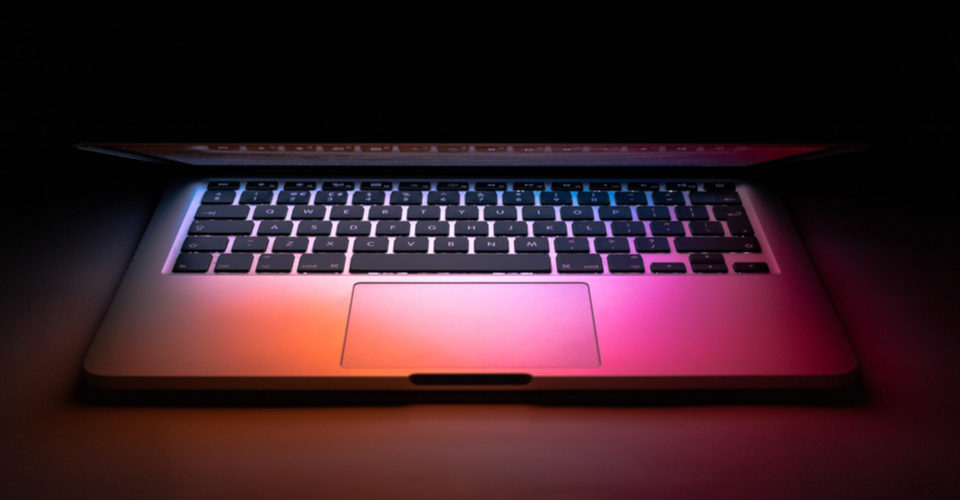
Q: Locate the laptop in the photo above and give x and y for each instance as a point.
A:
(362, 266)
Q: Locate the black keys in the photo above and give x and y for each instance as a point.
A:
(392, 212)
(330, 198)
(706, 228)
(443, 198)
(450, 263)
(556, 198)
(491, 186)
(722, 212)
(433, 228)
(571, 245)
(299, 185)
(423, 213)
(518, 198)
(480, 198)
(691, 213)
(751, 267)
(719, 187)
(250, 244)
(256, 197)
(593, 198)
(337, 186)
(314, 228)
(353, 228)
(275, 263)
(717, 244)
(192, 263)
(584, 228)
(531, 245)
(543, 228)
(649, 245)
(681, 186)
(262, 185)
(625, 263)
(614, 213)
(611, 245)
(605, 186)
(579, 263)
(369, 197)
(205, 244)
(393, 228)
(406, 197)
(219, 197)
(630, 198)
(223, 185)
(275, 228)
(668, 267)
(311, 212)
(234, 263)
(471, 228)
(539, 213)
(576, 213)
(346, 213)
(643, 186)
(414, 186)
(627, 229)
(500, 213)
(451, 245)
(528, 186)
(667, 228)
(739, 226)
(290, 244)
(462, 213)
(707, 263)
(270, 212)
(293, 197)
(367, 244)
(333, 244)
(567, 186)
(491, 245)
(239, 212)
(708, 268)
(507, 228)
(222, 227)
(715, 198)
(667, 198)
(376, 186)
(411, 245)
(452, 186)
(321, 263)
(653, 213)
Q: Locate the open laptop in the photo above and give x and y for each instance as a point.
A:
(469, 266)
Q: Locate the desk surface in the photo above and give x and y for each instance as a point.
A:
(890, 277)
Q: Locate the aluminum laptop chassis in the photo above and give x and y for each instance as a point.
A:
(254, 331)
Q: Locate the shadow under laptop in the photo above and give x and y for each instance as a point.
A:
(852, 395)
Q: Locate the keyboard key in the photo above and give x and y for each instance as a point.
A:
(250, 244)
(715, 199)
(681, 186)
(668, 267)
(450, 263)
(420, 212)
(438, 228)
(625, 263)
(346, 213)
(239, 212)
(299, 185)
(579, 263)
(220, 227)
(627, 229)
(751, 267)
(330, 245)
(233, 263)
(262, 185)
(706, 228)
(314, 228)
(571, 245)
(223, 185)
(583, 228)
(667, 228)
(614, 213)
(312, 212)
(219, 197)
(528, 186)
(717, 244)
(576, 213)
(353, 228)
(604, 186)
(739, 226)
(293, 197)
(366, 244)
(531, 245)
(539, 213)
(611, 245)
(542, 228)
(416, 245)
(471, 228)
(414, 186)
(649, 245)
(556, 198)
(321, 263)
(708, 268)
(393, 228)
(192, 263)
(270, 212)
(462, 213)
(593, 198)
(392, 212)
(691, 213)
(668, 198)
(518, 198)
(275, 228)
(330, 198)
(406, 198)
(508, 228)
(275, 263)
(491, 186)
(653, 213)
(500, 213)
(376, 186)
(722, 212)
(290, 244)
(337, 186)
(443, 198)
(369, 198)
(566, 186)
(630, 198)
(256, 197)
(205, 244)
(453, 186)
(706, 258)
(480, 198)
(448, 245)
(719, 187)
(643, 186)
(491, 245)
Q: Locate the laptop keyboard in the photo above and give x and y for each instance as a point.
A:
(544, 227)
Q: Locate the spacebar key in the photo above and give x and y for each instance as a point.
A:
(442, 263)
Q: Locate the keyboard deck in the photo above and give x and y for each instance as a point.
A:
(478, 226)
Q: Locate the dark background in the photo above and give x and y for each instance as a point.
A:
(878, 225)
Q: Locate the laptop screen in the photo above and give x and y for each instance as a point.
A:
(465, 154)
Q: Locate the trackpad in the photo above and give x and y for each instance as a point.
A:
(471, 325)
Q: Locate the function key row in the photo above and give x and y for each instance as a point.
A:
(714, 187)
